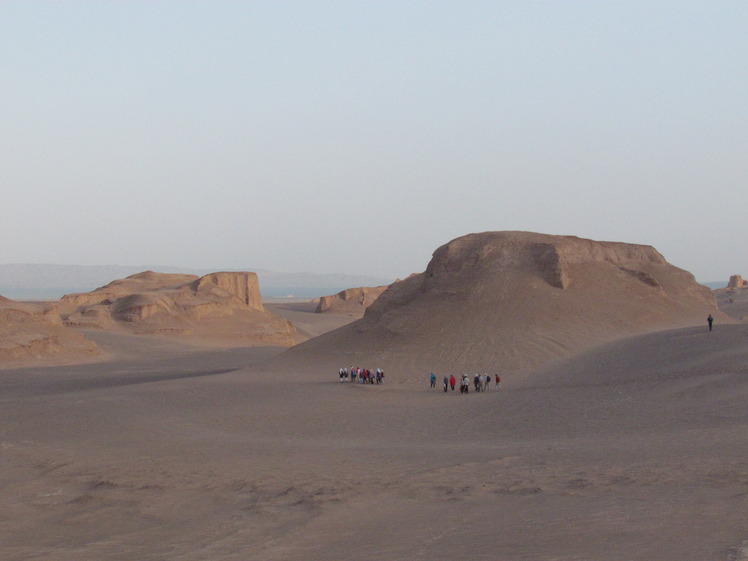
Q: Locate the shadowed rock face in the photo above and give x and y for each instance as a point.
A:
(504, 301)
(225, 305)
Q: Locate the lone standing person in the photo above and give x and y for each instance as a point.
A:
(710, 321)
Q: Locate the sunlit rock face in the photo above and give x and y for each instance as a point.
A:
(224, 305)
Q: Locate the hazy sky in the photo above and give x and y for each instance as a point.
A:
(359, 136)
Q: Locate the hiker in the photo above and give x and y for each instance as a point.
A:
(464, 384)
(476, 382)
(710, 321)
(498, 381)
(487, 381)
(452, 382)
(446, 383)
(433, 380)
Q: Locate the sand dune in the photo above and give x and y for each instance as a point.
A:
(634, 450)
(307, 321)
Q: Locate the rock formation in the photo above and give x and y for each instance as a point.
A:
(510, 301)
(733, 299)
(36, 332)
(352, 301)
(220, 306)
(736, 281)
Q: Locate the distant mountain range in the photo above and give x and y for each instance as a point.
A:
(45, 281)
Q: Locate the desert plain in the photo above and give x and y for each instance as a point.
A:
(620, 431)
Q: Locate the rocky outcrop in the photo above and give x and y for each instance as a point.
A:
(351, 301)
(514, 300)
(489, 265)
(147, 281)
(243, 286)
(36, 332)
(737, 281)
(224, 305)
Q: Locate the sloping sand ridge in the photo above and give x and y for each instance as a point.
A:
(634, 451)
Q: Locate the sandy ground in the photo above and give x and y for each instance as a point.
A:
(637, 450)
(308, 323)
(734, 302)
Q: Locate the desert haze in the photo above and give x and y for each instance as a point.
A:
(182, 418)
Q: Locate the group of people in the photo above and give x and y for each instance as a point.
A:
(481, 382)
(361, 375)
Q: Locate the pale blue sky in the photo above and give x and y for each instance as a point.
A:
(360, 136)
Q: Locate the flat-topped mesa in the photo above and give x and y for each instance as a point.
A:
(488, 265)
(514, 300)
(351, 300)
(544, 256)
